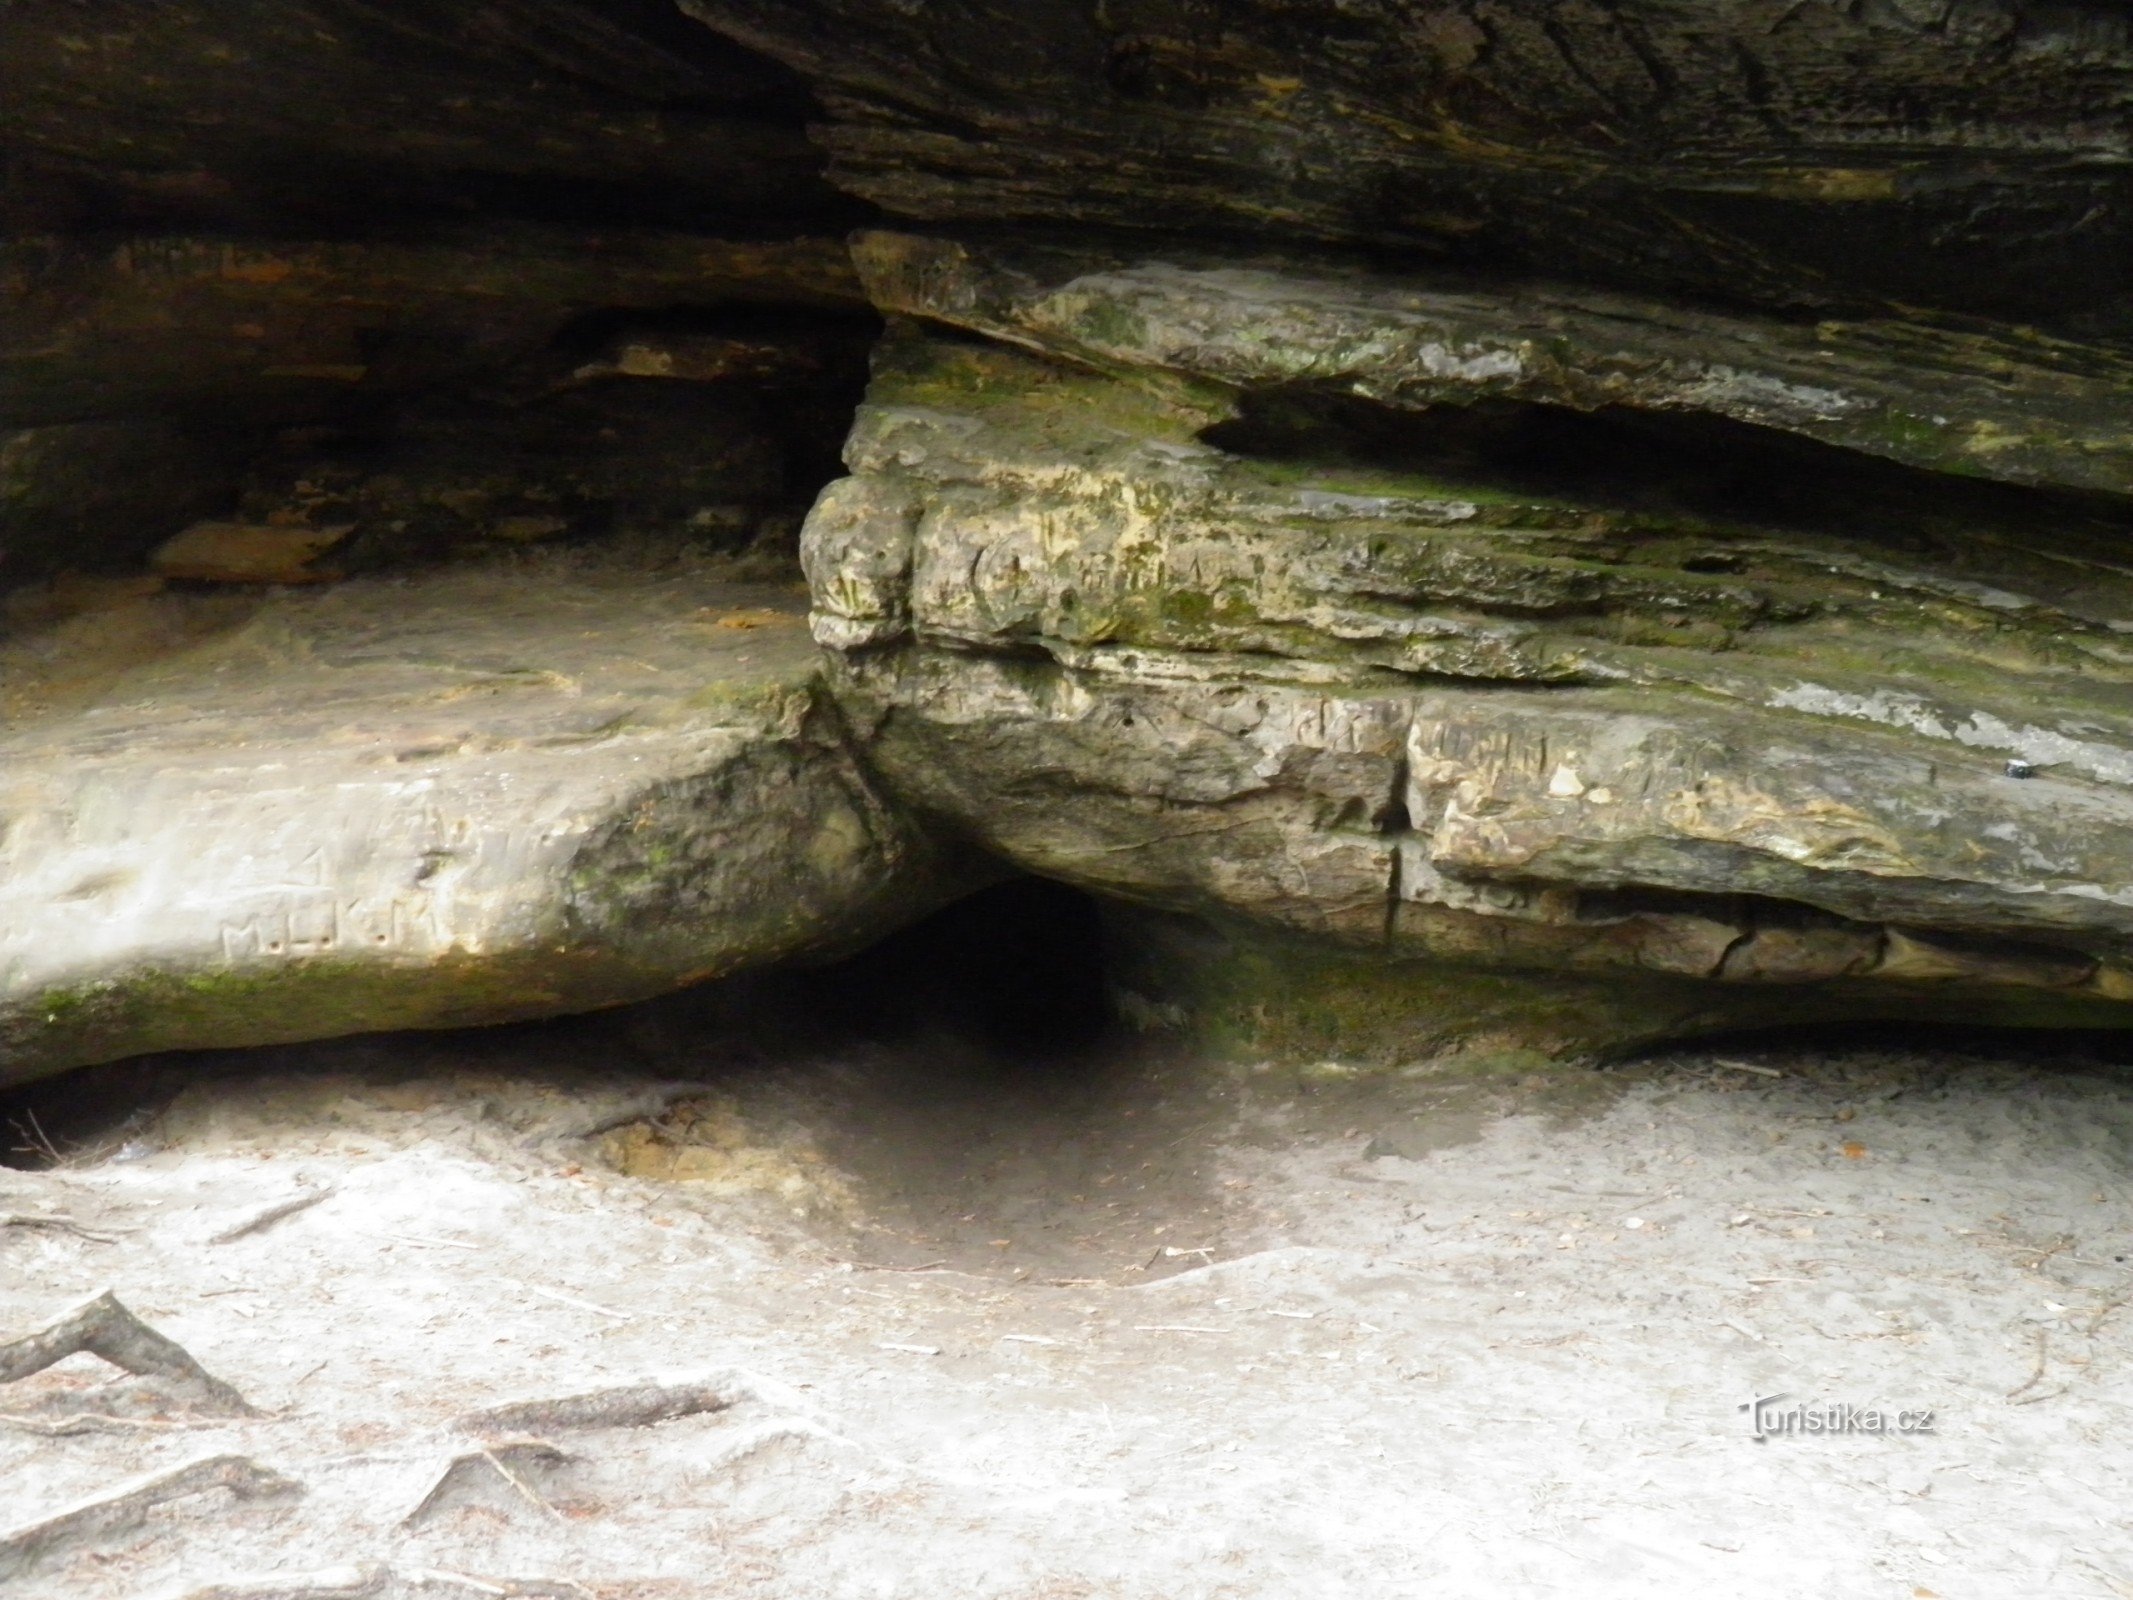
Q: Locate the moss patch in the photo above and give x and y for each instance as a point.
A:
(1249, 997)
(1318, 1011)
(156, 1009)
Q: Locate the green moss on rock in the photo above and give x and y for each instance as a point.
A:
(155, 1008)
(1263, 1000)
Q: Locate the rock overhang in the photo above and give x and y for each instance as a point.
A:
(1425, 716)
(1211, 569)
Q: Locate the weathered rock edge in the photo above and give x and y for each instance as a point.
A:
(1979, 399)
(468, 798)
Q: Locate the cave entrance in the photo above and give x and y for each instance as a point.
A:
(1006, 987)
(1016, 971)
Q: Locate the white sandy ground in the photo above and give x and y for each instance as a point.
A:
(1413, 1342)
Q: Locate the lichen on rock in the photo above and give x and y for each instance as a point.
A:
(1404, 703)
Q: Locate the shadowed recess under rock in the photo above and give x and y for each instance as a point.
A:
(1464, 526)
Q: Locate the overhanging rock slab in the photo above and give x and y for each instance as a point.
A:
(1428, 716)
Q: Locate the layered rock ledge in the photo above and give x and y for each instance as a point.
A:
(1186, 585)
(1467, 524)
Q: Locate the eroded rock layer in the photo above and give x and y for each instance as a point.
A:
(1964, 155)
(1200, 612)
(278, 118)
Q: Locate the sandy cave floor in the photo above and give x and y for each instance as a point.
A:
(1133, 1330)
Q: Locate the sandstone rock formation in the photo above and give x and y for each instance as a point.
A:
(1219, 610)
(491, 792)
(260, 118)
(1468, 524)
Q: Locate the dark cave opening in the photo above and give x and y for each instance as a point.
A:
(687, 430)
(706, 429)
(1006, 990)
(1014, 978)
(1017, 969)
